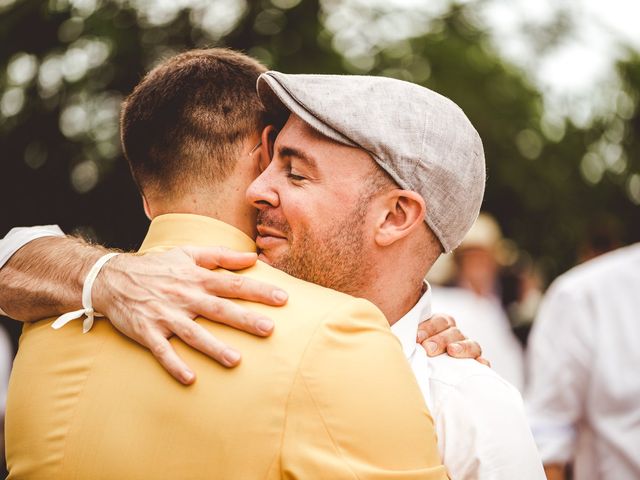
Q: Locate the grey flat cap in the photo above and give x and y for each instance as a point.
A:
(422, 139)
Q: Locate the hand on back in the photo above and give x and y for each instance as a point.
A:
(152, 297)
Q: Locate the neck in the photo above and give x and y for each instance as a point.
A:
(398, 276)
(224, 206)
(395, 302)
(396, 289)
(226, 201)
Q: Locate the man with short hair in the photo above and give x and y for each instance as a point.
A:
(371, 180)
(328, 395)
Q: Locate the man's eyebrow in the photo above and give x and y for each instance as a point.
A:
(300, 155)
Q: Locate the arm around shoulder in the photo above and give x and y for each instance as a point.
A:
(355, 409)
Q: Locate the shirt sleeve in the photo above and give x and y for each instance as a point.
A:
(355, 406)
(559, 356)
(18, 237)
(484, 433)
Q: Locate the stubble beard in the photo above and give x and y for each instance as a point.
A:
(331, 256)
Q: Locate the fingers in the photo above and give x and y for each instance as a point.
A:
(234, 286)
(169, 359)
(199, 338)
(465, 349)
(244, 288)
(437, 344)
(195, 336)
(436, 324)
(226, 312)
(164, 292)
(213, 257)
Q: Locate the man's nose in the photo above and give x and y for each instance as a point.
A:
(262, 192)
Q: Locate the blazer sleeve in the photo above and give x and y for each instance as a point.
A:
(355, 409)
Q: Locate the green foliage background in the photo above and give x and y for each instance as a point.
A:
(66, 65)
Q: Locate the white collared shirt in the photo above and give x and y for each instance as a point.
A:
(479, 417)
(583, 395)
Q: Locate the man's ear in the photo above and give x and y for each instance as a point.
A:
(403, 212)
(147, 209)
(267, 139)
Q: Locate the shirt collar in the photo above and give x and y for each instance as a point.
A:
(406, 329)
(178, 229)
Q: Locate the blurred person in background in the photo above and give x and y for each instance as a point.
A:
(583, 393)
(475, 299)
(522, 288)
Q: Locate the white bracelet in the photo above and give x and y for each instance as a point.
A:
(86, 299)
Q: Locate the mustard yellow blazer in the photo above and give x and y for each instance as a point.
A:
(328, 396)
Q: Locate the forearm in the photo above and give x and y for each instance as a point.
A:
(45, 277)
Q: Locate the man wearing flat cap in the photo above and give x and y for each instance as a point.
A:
(328, 395)
(371, 180)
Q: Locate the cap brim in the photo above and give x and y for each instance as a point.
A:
(280, 102)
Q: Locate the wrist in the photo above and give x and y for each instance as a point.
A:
(102, 292)
(89, 259)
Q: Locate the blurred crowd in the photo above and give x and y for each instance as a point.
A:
(566, 350)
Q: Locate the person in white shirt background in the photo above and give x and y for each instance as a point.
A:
(475, 301)
(583, 393)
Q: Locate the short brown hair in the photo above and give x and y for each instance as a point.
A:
(183, 124)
